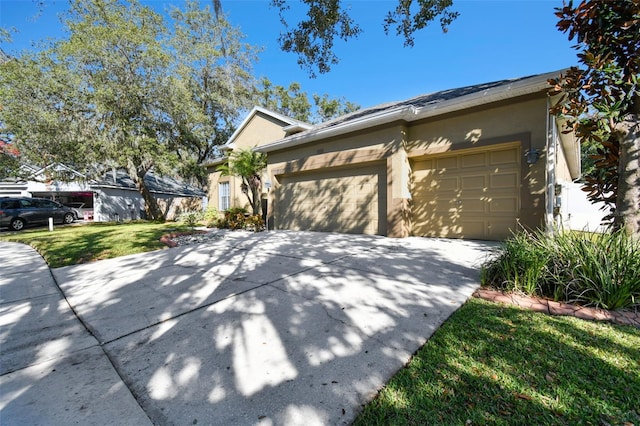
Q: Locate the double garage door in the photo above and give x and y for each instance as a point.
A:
(473, 194)
(469, 195)
(349, 200)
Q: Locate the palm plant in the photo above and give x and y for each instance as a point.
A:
(248, 165)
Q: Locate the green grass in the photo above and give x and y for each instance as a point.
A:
(71, 245)
(491, 364)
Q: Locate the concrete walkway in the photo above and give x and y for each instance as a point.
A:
(277, 328)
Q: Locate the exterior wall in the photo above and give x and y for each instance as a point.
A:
(259, 130)
(111, 204)
(173, 207)
(523, 122)
(237, 198)
(398, 144)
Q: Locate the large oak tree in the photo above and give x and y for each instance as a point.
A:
(127, 89)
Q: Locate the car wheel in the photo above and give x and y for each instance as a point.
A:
(69, 218)
(17, 224)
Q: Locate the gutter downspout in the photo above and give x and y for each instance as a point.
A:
(550, 172)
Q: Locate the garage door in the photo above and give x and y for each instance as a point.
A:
(337, 200)
(475, 194)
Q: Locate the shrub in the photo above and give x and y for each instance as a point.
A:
(233, 218)
(238, 218)
(255, 223)
(190, 219)
(601, 270)
(211, 217)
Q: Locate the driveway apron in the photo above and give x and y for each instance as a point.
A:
(273, 328)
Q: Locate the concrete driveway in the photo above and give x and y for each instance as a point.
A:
(275, 328)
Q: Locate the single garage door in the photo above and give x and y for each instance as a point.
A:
(351, 200)
(473, 194)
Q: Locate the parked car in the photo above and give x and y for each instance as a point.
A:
(77, 209)
(18, 212)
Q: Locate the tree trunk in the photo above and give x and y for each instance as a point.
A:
(255, 200)
(150, 203)
(256, 205)
(627, 214)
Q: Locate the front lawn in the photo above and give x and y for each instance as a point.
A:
(70, 245)
(491, 364)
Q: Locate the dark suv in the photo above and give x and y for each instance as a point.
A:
(17, 212)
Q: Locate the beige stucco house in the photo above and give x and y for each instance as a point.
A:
(474, 162)
(260, 127)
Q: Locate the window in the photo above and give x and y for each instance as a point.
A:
(223, 196)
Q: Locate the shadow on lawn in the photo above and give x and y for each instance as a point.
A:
(499, 365)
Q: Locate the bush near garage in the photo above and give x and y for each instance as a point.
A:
(600, 270)
(211, 217)
(238, 218)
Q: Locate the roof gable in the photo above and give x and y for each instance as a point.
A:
(262, 126)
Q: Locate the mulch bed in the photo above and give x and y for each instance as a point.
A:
(167, 239)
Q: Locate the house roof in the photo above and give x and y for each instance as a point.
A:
(156, 184)
(417, 108)
(291, 125)
(59, 168)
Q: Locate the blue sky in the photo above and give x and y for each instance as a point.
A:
(491, 40)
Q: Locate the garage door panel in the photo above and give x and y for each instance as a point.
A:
(479, 199)
(504, 205)
(474, 182)
(341, 200)
(505, 156)
(472, 227)
(472, 205)
(505, 180)
(474, 160)
(447, 163)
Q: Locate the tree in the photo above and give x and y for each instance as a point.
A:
(327, 108)
(248, 165)
(294, 103)
(602, 103)
(327, 20)
(213, 84)
(126, 90)
(291, 101)
(9, 163)
(117, 51)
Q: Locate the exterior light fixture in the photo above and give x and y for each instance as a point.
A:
(532, 155)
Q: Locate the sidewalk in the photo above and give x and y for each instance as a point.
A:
(52, 370)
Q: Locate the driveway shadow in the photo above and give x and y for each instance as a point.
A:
(270, 328)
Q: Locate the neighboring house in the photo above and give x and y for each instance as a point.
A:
(475, 162)
(116, 197)
(260, 127)
(113, 198)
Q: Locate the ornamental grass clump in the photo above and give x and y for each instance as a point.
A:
(601, 270)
